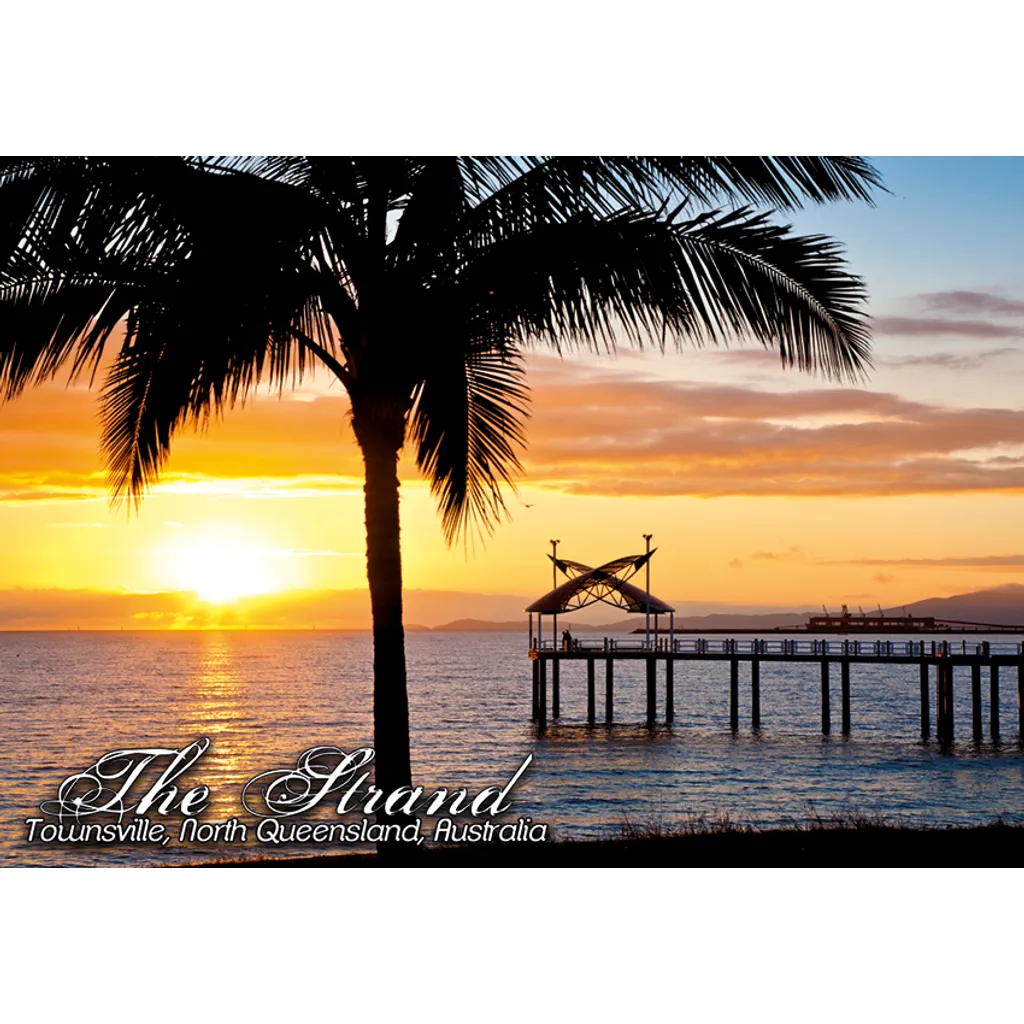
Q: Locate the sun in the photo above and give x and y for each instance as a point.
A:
(222, 570)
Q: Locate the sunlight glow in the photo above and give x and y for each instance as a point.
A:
(222, 570)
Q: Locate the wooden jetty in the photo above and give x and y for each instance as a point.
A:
(609, 584)
(934, 659)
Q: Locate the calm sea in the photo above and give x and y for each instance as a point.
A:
(263, 698)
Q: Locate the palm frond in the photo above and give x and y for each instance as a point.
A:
(180, 366)
(288, 170)
(48, 324)
(432, 221)
(718, 277)
(148, 394)
(467, 424)
(790, 292)
(513, 195)
(781, 182)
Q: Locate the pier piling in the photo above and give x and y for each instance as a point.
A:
(944, 726)
(1020, 698)
(845, 678)
(670, 697)
(950, 713)
(542, 709)
(976, 701)
(993, 702)
(556, 704)
(536, 690)
(926, 717)
(734, 694)
(609, 685)
(755, 694)
(590, 691)
(826, 705)
(652, 690)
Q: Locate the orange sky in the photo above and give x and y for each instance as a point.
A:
(763, 488)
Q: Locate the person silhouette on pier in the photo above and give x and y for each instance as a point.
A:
(566, 640)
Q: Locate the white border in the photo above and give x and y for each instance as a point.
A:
(530, 77)
(535, 76)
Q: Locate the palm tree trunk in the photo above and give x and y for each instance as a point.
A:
(384, 573)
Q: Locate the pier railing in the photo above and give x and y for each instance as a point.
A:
(813, 648)
(940, 658)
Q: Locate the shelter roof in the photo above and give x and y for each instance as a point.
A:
(606, 583)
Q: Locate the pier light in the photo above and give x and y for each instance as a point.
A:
(647, 638)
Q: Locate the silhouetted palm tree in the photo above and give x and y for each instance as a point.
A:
(417, 283)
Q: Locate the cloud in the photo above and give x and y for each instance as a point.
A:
(931, 326)
(299, 486)
(968, 562)
(950, 360)
(971, 303)
(795, 553)
(46, 487)
(19, 488)
(600, 429)
(616, 435)
(65, 609)
(881, 577)
(754, 358)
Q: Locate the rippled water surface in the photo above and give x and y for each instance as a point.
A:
(263, 698)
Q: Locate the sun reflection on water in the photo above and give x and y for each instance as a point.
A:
(218, 707)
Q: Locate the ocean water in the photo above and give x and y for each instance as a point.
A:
(263, 698)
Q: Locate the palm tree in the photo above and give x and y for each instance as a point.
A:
(417, 282)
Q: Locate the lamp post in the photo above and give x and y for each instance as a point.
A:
(647, 537)
(554, 584)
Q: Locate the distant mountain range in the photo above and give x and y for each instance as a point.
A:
(999, 606)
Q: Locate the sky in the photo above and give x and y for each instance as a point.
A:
(763, 488)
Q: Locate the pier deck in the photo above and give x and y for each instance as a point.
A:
(938, 658)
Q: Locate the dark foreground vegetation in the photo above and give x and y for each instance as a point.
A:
(847, 842)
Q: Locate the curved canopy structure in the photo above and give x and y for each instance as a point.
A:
(607, 583)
